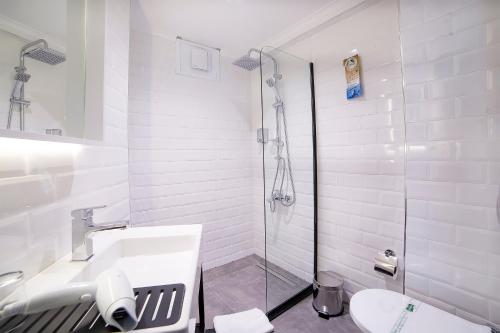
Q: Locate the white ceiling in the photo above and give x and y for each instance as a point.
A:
(232, 25)
(47, 16)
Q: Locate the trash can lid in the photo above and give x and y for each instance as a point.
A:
(328, 279)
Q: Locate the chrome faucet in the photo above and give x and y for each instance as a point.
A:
(82, 226)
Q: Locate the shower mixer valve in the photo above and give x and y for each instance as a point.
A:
(281, 197)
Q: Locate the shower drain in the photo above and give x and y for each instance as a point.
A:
(155, 307)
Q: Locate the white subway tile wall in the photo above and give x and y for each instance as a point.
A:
(451, 61)
(360, 145)
(193, 156)
(190, 145)
(41, 182)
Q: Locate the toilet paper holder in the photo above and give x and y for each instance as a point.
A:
(386, 263)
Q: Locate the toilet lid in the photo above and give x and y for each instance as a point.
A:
(385, 311)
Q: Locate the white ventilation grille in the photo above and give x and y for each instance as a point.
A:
(197, 60)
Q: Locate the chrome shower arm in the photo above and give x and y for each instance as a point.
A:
(28, 46)
(267, 55)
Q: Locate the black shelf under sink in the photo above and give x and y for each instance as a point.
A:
(157, 306)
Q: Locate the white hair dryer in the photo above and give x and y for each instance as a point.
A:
(111, 291)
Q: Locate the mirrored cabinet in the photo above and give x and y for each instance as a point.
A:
(44, 64)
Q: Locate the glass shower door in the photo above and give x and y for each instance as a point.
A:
(288, 176)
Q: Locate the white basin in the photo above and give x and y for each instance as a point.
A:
(149, 256)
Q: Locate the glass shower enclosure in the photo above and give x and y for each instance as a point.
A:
(287, 139)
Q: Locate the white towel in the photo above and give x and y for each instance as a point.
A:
(251, 321)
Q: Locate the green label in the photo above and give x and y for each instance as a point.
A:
(405, 315)
(410, 307)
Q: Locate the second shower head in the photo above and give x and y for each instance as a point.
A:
(271, 83)
(21, 75)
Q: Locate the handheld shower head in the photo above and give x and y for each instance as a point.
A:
(21, 75)
(20, 79)
(271, 83)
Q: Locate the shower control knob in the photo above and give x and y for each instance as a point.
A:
(389, 253)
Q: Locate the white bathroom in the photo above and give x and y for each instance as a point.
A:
(250, 166)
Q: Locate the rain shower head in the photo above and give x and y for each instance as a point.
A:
(42, 53)
(46, 55)
(250, 63)
(247, 62)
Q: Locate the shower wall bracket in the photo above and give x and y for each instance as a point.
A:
(262, 135)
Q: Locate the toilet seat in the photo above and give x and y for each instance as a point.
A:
(385, 311)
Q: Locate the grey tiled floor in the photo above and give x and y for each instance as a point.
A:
(241, 285)
(303, 318)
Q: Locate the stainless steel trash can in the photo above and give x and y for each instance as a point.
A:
(327, 294)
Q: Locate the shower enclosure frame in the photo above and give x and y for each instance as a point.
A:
(305, 292)
(295, 299)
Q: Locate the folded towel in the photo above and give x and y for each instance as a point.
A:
(251, 321)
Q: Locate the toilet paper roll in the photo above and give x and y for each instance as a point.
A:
(386, 263)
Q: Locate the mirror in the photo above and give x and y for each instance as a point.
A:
(42, 66)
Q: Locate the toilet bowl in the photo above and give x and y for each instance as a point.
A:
(385, 311)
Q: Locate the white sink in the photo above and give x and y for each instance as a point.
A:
(149, 256)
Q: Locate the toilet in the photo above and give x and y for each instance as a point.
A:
(385, 311)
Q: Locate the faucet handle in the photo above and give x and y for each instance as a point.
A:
(85, 214)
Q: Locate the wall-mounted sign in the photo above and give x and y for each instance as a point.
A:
(353, 76)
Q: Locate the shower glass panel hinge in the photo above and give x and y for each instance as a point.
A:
(262, 135)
